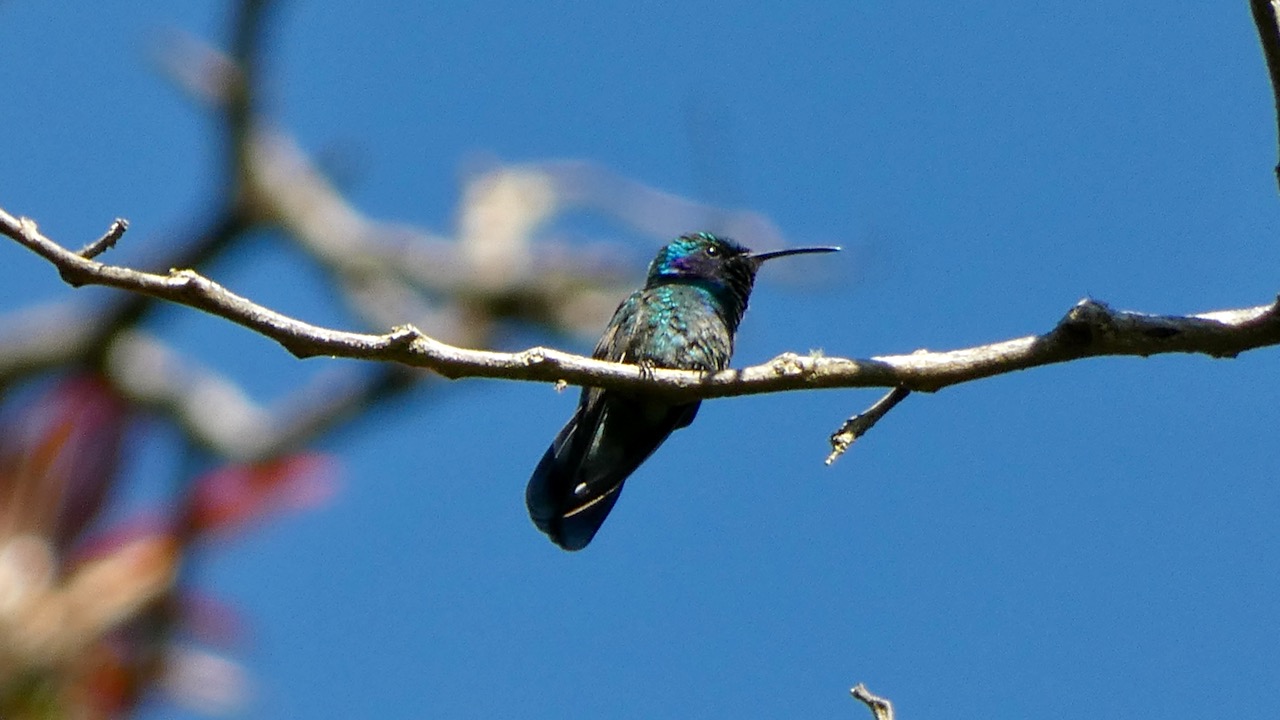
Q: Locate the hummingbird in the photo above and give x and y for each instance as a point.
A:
(685, 317)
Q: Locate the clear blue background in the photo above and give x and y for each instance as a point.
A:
(1095, 538)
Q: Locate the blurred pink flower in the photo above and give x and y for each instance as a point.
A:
(91, 623)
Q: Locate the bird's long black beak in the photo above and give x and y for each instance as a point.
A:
(761, 257)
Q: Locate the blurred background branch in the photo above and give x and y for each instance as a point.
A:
(93, 620)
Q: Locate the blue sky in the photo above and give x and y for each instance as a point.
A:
(1099, 535)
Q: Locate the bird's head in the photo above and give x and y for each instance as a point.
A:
(718, 261)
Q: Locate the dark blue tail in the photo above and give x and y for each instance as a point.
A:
(580, 477)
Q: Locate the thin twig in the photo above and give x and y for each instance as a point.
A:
(35, 340)
(858, 425)
(1089, 329)
(880, 707)
(106, 242)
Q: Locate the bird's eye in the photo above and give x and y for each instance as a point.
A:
(712, 251)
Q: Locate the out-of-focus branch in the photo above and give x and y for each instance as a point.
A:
(1089, 329)
(386, 271)
(248, 26)
(1266, 17)
(215, 413)
(38, 338)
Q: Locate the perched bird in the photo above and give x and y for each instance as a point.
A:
(685, 317)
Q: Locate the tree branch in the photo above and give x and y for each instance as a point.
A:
(107, 241)
(1266, 16)
(858, 425)
(880, 707)
(1089, 329)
